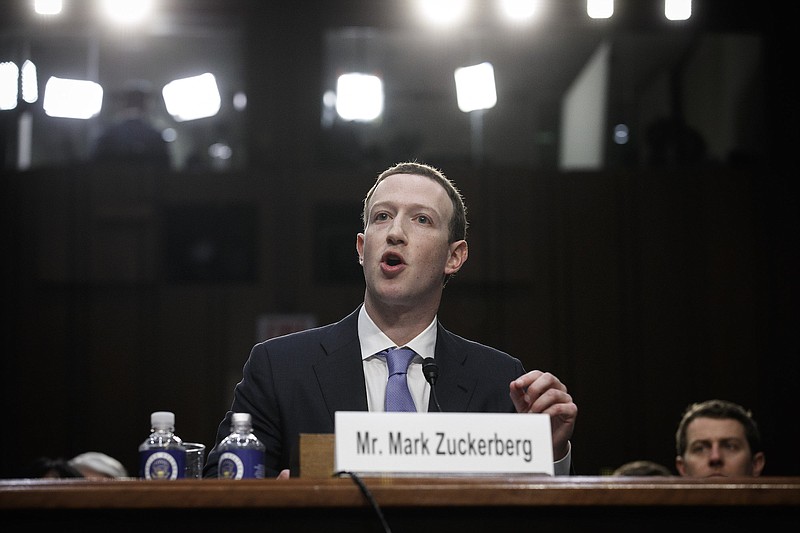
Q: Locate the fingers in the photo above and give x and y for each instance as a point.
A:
(284, 474)
(542, 392)
(538, 392)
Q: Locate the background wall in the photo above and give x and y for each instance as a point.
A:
(642, 291)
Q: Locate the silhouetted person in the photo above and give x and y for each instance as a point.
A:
(132, 138)
(97, 465)
(642, 468)
(49, 468)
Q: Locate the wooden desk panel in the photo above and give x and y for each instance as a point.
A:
(409, 504)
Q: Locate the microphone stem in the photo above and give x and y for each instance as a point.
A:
(435, 399)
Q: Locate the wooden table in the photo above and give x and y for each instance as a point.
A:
(408, 504)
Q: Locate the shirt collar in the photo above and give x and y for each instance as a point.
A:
(373, 340)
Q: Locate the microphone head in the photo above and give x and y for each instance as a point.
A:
(430, 370)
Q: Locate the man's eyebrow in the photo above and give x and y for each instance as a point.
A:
(412, 207)
(721, 439)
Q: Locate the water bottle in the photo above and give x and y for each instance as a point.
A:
(241, 453)
(161, 455)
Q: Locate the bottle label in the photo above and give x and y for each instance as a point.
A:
(162, 464)
(241, 464)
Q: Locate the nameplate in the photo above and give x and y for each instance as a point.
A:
(443, 443)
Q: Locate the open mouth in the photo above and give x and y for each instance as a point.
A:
(392, 259)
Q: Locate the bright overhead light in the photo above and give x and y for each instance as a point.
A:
(359, 97)
(475, 88)
(600, 9)
(47, 7)
(240, 101)
(9, 77)
(443, 12)
(678, 9)
(127, 12)
(519, 10)
(30, 85)
(192, 98)
(68, 98)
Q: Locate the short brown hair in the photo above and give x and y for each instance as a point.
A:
(457, 227)
(718, 409)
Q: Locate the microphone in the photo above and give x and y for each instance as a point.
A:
(431, 372)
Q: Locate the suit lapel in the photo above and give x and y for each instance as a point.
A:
(340, 373)
(456, 384)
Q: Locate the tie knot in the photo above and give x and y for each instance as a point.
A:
(398, 360)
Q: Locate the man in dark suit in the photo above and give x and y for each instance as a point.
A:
(413, 242)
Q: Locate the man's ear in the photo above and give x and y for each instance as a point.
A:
(679, 466)
(758, 463)
(459, 252)
(360, 247)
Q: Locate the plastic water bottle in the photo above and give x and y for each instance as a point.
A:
(161, 455)
(242, 454)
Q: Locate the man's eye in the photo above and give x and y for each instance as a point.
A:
(381, 216)
(422, 219)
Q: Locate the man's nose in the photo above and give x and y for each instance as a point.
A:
(715, 457)
(396, 233)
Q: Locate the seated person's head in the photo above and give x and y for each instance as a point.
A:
(96, 465)
(51, 468)
(718, 438)
(642, 468)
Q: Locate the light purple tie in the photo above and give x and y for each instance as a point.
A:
(398, 397)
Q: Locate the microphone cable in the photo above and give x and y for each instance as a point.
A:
(368, 495)
(431, 371)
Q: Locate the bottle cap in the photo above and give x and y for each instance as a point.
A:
(162, 419)
(239, 418)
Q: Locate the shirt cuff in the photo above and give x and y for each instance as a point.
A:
(563, 465)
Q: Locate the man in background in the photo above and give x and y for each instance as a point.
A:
(132, 138)
(718, 438)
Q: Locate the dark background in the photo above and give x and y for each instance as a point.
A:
(645, 284)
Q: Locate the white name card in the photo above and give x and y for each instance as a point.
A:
(443, 443)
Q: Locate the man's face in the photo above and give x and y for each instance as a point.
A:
(718, 447)
(404, 248)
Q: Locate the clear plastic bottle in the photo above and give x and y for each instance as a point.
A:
(242, 454)
(161, 455)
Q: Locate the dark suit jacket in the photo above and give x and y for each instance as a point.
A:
(295, 383)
